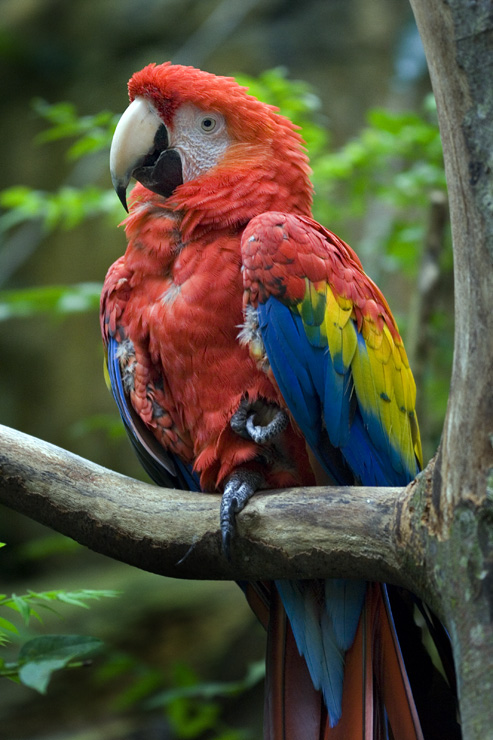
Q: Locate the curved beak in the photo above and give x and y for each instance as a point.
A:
(140, 149)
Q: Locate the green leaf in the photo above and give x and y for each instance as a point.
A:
(41, 657)
(20, 604)
(5, 624)
(74, 598)
(25, 605)
(71, 599)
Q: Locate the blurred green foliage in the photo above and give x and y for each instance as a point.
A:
(192, 707)
(57, 300)
(91, 133)
(66, 208)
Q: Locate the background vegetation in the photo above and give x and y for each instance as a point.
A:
(181, 658)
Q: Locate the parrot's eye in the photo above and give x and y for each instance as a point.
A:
(208, 124)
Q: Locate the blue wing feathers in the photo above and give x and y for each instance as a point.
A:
(338, 389)
(116, 383)
(291, 370)
(305, 374)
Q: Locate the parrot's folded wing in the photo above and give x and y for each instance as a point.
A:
(164, 468)
(332, 345)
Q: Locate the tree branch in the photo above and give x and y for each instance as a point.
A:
(300, 533)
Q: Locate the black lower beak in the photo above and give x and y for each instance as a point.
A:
(160, 172)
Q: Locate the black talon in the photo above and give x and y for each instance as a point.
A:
(239, 419)
(238, 490)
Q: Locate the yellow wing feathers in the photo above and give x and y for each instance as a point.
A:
(360, 341)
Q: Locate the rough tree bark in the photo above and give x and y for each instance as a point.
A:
(436, 536)
(451, 512)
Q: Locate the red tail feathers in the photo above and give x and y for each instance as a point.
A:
(377, 700)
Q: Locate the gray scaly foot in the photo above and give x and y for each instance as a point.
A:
(240, 487)
(262, 433)
(259, 421)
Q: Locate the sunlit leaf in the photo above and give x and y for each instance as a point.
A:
(5, 624)
(20, 605)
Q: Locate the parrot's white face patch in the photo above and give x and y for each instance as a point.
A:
(200, 137)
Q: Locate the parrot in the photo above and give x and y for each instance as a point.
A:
(247, 350)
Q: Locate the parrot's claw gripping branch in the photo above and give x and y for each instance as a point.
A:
(238, 490)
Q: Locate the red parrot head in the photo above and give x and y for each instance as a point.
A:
(185, 128)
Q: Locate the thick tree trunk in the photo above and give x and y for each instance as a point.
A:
(456, 513)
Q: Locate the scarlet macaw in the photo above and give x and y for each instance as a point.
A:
(247, 350)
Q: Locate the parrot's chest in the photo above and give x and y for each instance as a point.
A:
(189, 320)
(195, 308)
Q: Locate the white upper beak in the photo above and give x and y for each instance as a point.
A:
(133, 139)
